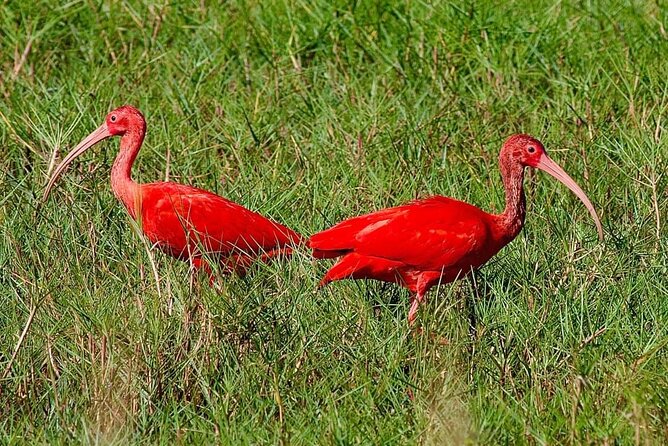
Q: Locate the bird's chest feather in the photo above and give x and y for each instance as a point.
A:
(186, 225)
(168, 226)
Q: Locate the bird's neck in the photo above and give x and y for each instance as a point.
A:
(512, 218)
(125, 189)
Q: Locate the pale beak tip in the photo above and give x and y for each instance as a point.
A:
(47, 191)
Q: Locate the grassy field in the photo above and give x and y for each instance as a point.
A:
(310, 112)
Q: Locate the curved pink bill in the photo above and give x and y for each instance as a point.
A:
(546, 164)
(98, 135)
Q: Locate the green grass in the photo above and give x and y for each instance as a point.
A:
(310, 112)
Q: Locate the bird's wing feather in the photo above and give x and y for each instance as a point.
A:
(433, 233)
(170, 210)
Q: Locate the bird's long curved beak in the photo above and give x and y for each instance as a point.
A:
(98, 135)
(546, 164)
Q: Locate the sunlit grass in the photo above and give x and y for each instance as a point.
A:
(309, 113)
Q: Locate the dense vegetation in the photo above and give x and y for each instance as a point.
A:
(310, 112)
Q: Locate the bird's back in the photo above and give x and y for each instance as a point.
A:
(439, 236)
(180, 218)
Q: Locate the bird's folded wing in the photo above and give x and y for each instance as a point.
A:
(224, 223)
(431, 234)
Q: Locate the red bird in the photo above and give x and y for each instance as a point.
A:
(185, 222)
(437, 239)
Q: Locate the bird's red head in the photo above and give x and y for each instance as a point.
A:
(124, 118)
(528, 151)
(117, 123)
(524, 149)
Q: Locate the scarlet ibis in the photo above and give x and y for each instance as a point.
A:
(437, 239)
(187, 223)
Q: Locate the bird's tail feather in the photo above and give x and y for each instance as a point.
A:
(358, 266)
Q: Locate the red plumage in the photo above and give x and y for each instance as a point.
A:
(437, 239)
(185, 222)
(415, 245)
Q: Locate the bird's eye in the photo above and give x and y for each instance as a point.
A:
(113, 118)
(531, 149)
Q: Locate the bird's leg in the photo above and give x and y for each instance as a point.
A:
(199, 264)
(416, 299)
(415, 303)
(195, 264)
(473, 321)
(470, 307)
